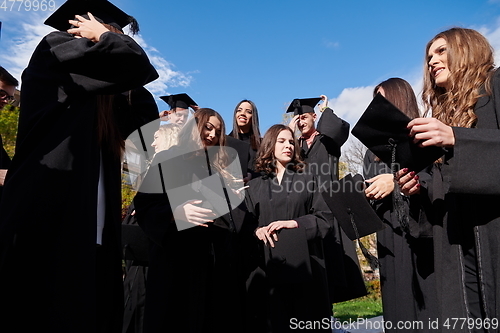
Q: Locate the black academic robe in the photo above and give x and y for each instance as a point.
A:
(274, 302)
(191, 282)
(406, 257)
(4, 161)
(252, 153)
(322, 157)
(465, 193)
(51, 267)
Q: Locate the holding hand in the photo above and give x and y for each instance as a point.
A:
(91, 29)
(431, 132)
(268, 234)
(380, 187)
(189, 212)
(293, 123)
(325, 102)
(408, 182)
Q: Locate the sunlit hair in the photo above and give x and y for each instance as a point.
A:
(190, 136)
(400, 93)
(255, 137)
(168, 136)
(266, 161)
(471, 64)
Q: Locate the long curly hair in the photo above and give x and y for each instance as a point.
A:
(471, 64)
(266, 161)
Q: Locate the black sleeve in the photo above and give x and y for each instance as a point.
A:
(319, 222)
(332, 126)
(114, 64)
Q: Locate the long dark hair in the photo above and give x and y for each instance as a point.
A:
(400, 93)
(255, 138)
(266, 161)
(189, 136)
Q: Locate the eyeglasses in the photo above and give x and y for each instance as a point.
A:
(6, 97)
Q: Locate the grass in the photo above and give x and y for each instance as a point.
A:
(363, 307)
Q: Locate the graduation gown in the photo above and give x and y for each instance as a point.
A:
(192, 284)
(322, 158)
(245, 137)
(51, 266)
(275, 297)
(465, 193)
(406, 259)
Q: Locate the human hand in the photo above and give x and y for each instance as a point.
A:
(165, 115)
(3, 174)
(381, 186)
(431, 132)
(268, 234)
(325, 102)
(189, 212)
(408, 182)
(91, 29)
(293, 123)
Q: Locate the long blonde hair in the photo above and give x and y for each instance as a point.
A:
(471, 63)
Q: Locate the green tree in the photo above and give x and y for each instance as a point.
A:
(9, 118)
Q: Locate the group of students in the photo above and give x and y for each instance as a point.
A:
(241, 237)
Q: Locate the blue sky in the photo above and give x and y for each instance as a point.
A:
(273, 51)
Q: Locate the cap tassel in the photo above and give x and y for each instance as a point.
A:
(372, 260)
(134, 26)
(397, 199)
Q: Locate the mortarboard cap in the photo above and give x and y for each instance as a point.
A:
(383, 127)
(303, 105)
(104, 10)
(351, 208)
(178, 101)
(288, 261)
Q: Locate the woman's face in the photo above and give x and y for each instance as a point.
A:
(284, 147)
(211, 132)
(244, 117)
(156, 142)
(438, 63)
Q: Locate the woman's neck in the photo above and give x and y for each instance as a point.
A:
(280, 171)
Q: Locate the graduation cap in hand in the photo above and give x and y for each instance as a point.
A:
(182, 101)
(383, 129)
(351, 208)
(303, 105)
(103, 10)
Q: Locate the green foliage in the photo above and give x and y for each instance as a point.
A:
(9, 118)
(364, 307)
(128, 194)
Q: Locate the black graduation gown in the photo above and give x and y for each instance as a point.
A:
(406, 259)
(191, 284)
(252, 153)
(4, 161)
(51, 267)
(272, 304)
(322, 157)
(465, 193)
(134, 282)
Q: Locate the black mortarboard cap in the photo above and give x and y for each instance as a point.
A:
(303, 105)
(288, 261)
(351, 208)
(178, 101)
(383, 128)
(101, 9)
